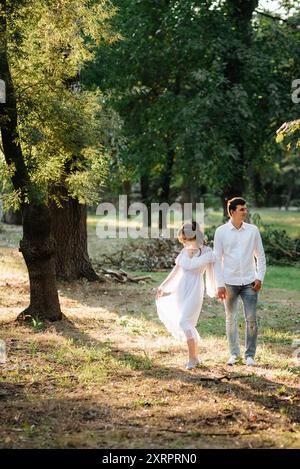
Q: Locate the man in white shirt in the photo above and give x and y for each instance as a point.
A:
(237, 244)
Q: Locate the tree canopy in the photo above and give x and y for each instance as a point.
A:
(201, 88)
(64, 131)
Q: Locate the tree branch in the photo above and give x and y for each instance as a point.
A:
(267, 15)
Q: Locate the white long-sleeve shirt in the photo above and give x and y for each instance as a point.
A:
(236, 251)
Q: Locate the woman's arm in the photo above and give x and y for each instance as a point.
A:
(197, 262)
(160, 290)
(210, 280)
(171, 275)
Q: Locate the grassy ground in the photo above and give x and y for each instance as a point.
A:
(278, 219)
(109, 376)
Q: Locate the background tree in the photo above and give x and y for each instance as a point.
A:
(37, 245)
(146, 85)
(52, 136)
(200, 87)
(289, 137)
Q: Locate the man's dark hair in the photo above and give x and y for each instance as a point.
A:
(233, 203)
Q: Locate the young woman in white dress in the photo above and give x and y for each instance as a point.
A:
(179, 297)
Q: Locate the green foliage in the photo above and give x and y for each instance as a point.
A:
(289, 136)
(36, 324)
(161, 48)
(175, 94)
(280, 248)
(65, 132)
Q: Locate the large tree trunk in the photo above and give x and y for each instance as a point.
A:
(258, 188)
(167, 176)
(70, 232)
(127, 191)
(235, 189)
(145, 193)
(38, 249)
(288, 197)
(166, 181)
(37, 244)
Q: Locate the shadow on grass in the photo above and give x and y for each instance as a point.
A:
(86, 422)
(252, 388)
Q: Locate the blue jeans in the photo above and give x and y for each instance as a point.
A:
(249, 299)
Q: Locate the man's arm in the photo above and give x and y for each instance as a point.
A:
(259, 254)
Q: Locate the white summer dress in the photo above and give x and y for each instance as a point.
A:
(180, 307)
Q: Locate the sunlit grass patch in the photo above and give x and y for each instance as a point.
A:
(278, 219)
(136, 325)
(214, 349)
(141, 361)
(150, 402)
(280, 360)
(282, 277)
(275, 336)
(93, 374)
(281, 219)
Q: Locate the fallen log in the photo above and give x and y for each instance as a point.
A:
(138, 279)
(122, 276)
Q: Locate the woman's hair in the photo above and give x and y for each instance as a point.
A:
(191, 231)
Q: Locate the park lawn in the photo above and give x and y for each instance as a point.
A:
(109, 375)
(278, 219)
(281, 220)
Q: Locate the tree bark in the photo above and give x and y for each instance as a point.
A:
(288, 198)
(145, 193)
(166, 181)
(38, 249)
(127, 191)
(37, 245)
(235, 189)
(167, 176)
(239, 14)
(258, 188)
(70, 233)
